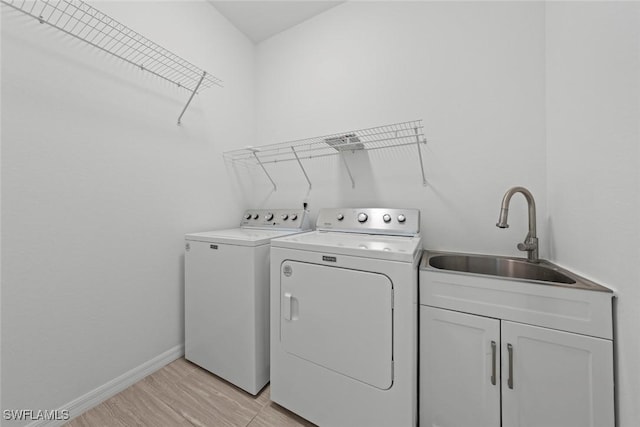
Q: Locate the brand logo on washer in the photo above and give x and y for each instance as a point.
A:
(287, 270)
(329, 258)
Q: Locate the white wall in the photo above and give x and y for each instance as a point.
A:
(593, 140)
(473, 71)
(99, 185)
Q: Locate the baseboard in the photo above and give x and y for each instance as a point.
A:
(113, 387)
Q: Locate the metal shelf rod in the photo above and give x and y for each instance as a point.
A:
(424, 179)
(265, 171)
(301, 167)
(204, 73)
(346, 165)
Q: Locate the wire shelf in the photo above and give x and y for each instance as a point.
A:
(84, 22)
(409, 133)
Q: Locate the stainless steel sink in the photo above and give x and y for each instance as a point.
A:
(508, 268)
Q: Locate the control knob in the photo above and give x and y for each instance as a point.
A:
(255, 216)
(340, 217)
(247, 216)
(284, 217)
(402, 218)
(362, 217)
(386, 218)
(294, 217)
(268, 216)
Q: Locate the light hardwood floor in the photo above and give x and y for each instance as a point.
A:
(183, 394)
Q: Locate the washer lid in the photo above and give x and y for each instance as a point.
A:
(239, 236)
(392, 248)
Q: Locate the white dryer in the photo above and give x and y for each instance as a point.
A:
(227, 295)
(344, 318)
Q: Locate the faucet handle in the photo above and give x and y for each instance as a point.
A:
(530, 246)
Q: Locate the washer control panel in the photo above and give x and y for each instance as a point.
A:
(275, 218)
(402, 222)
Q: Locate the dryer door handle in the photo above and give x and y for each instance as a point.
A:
(286, 306)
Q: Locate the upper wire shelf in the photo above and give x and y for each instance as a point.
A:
(409, 133)
(84, 22)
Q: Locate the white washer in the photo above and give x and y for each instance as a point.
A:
(344, 318)
(227, 296)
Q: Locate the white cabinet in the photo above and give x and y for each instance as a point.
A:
(459, 369)
(555, 379)
(547, 378)
(553, 357)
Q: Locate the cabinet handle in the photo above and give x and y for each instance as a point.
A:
(510, 380)
(493, 362)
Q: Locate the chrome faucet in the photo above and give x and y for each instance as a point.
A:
(530, 244)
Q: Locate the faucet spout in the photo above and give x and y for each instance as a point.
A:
(530, 244)
(502, 219)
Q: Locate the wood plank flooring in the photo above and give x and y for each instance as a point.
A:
(183, 394)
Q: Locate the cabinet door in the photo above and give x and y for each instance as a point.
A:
(555, 379)
(459, 369)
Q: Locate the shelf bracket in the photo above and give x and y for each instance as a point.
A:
(301, 167)
(346, 165)
(424, 180)
(264, 169)
(204, 73)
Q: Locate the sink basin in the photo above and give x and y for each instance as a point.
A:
(496, 266)
(508, 268)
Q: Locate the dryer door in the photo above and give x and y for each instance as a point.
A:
(340, 319)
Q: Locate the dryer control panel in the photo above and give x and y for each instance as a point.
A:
(394, 222)
(288, 219)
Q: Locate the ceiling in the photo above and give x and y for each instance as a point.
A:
(260, 20)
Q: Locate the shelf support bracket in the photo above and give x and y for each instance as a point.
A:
(424, 180)
(301, 167)
(346, 165)
(264, 169)
(204, 73)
